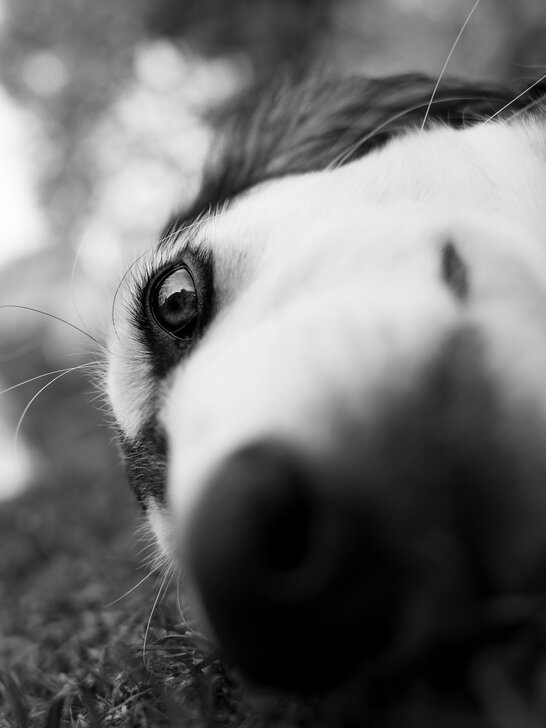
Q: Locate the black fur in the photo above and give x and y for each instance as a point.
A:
(145, 459)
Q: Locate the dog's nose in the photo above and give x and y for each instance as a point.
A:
(278, 571)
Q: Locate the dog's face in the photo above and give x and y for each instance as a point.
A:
(329, 378)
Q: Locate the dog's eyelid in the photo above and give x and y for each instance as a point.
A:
(454, 271)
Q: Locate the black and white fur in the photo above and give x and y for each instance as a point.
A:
(353, 438)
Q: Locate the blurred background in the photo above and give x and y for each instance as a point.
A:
(102, 134)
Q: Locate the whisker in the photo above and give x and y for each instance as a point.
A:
(342, 158)
(35, 397)
(163, 586)
(179, 599)
(129, 591)
(185, 622)
(45, 374)
(81, 246)
(53, 316)
(151, 547)
(513, 101)
(444, 68)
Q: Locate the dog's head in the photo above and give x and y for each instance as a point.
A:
(328, 375)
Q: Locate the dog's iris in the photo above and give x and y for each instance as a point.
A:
(174, 303)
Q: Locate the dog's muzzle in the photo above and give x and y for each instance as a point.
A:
(308, 564)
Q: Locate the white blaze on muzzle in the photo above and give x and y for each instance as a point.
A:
(328, 337)
(388, 389)
(313, 343)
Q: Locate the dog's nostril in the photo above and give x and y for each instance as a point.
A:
(253, 525)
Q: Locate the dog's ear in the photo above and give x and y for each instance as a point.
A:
(305, 123)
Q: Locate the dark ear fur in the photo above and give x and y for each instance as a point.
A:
(296, 125)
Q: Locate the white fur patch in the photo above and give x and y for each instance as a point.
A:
(330, 295)
(130, 388)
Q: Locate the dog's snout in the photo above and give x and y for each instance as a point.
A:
(371, 532)
(274, 565)
(253, 523)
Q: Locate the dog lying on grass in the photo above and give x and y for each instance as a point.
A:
(329, 376)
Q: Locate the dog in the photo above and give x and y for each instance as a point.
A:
(328, 374)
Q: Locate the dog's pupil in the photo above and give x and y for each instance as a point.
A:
(177, 300)
(179, 307)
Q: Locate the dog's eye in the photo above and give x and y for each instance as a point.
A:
(173, 302)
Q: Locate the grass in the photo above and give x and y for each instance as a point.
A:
(66, 658)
